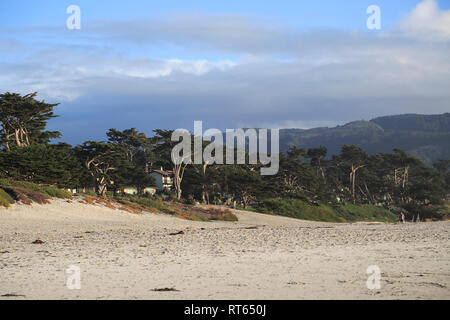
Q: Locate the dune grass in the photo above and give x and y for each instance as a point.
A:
(153, 203)
(365, 212)
(49, 191)
(177, 209)
(5, 199)
(296, 208)
(28, 192)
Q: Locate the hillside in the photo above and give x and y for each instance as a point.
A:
(424, 136)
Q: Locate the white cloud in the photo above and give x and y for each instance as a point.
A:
(428, 22)
(148, 68)
(276, 77)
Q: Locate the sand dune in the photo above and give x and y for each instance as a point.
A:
(127, 256)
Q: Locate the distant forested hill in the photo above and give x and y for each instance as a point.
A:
(424, 136)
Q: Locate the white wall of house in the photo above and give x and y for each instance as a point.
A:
(133, 190)
(130, 190)
(150, 190)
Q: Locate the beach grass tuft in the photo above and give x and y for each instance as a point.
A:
(5, 199)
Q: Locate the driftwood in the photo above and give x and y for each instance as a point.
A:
(176, 233)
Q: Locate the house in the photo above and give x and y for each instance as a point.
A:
(75, 191)
(163, 179)
(134, 191)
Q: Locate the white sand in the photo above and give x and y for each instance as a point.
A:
(125, 256)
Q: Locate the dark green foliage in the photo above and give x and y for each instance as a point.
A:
(296, 208)
(443, 212)
(23, 120)
(139, 158)
(357, 170)
(364, 212)
(443, 168)
(102, 160)
(46, 164)
(5, 199)
(26, 153)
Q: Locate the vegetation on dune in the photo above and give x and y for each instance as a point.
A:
(137, 204)
(296, 208)
(156, 204)
(28, 192)
(179, 209)
(365, 212)
(5, 199)
(48, 191)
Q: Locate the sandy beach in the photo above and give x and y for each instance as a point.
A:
(130, 256)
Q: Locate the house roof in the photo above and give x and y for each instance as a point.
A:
(163, 172)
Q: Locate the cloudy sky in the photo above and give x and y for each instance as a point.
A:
(164, 64)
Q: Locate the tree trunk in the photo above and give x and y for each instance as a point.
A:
(405, 177)
(101, 189)
(203, 197)
(16, 136)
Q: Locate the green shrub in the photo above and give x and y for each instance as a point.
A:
(26, 196)
(351, 212)
(5, 199)
(299, 209)
(89, 193)
(229, 217)
(56, 193)
(443, 212)
(109, 194)
(432, 212)
(20, 184)
(152, 203)
(191, 217)
(28, 192)
(296, 208)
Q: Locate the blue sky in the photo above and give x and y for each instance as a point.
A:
(164, 64)
(297, 13)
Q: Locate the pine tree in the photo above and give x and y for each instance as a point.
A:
(23, 120)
